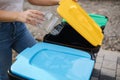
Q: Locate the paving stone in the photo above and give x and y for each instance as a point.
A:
(118, 60)
(99, 59)
(118, 66)
(117, 78)
(96, 73)
(118, 54)
(118, 72)
(110, 56)
(94, 78)
(98, 66)
(101, 53)
(103, 77)
(109, 64)
(108, 72)
(118, 63)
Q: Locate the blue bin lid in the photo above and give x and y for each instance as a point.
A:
(45, 61)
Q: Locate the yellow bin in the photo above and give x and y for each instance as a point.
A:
(78, 18)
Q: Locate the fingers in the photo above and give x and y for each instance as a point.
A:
(32, 17)
(36, 14)
(35, 17)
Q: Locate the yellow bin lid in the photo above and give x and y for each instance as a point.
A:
(75, 15)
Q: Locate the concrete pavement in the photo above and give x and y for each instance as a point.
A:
(107, 66)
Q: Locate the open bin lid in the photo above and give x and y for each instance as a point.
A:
(80, 21)
(101, 20)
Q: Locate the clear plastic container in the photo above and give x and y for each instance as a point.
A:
(49, 23)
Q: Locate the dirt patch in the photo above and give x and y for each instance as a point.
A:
(111, 9)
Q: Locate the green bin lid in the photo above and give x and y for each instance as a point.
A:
(99, 19)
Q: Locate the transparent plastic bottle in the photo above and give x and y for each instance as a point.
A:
(49, 23)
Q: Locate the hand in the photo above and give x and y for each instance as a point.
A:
(32, 17)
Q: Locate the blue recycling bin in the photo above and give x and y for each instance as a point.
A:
(46, 61)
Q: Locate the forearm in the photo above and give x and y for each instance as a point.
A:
(7, 16)
(32, 17)
(44, 2)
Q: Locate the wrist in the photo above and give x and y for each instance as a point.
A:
(16, 16)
